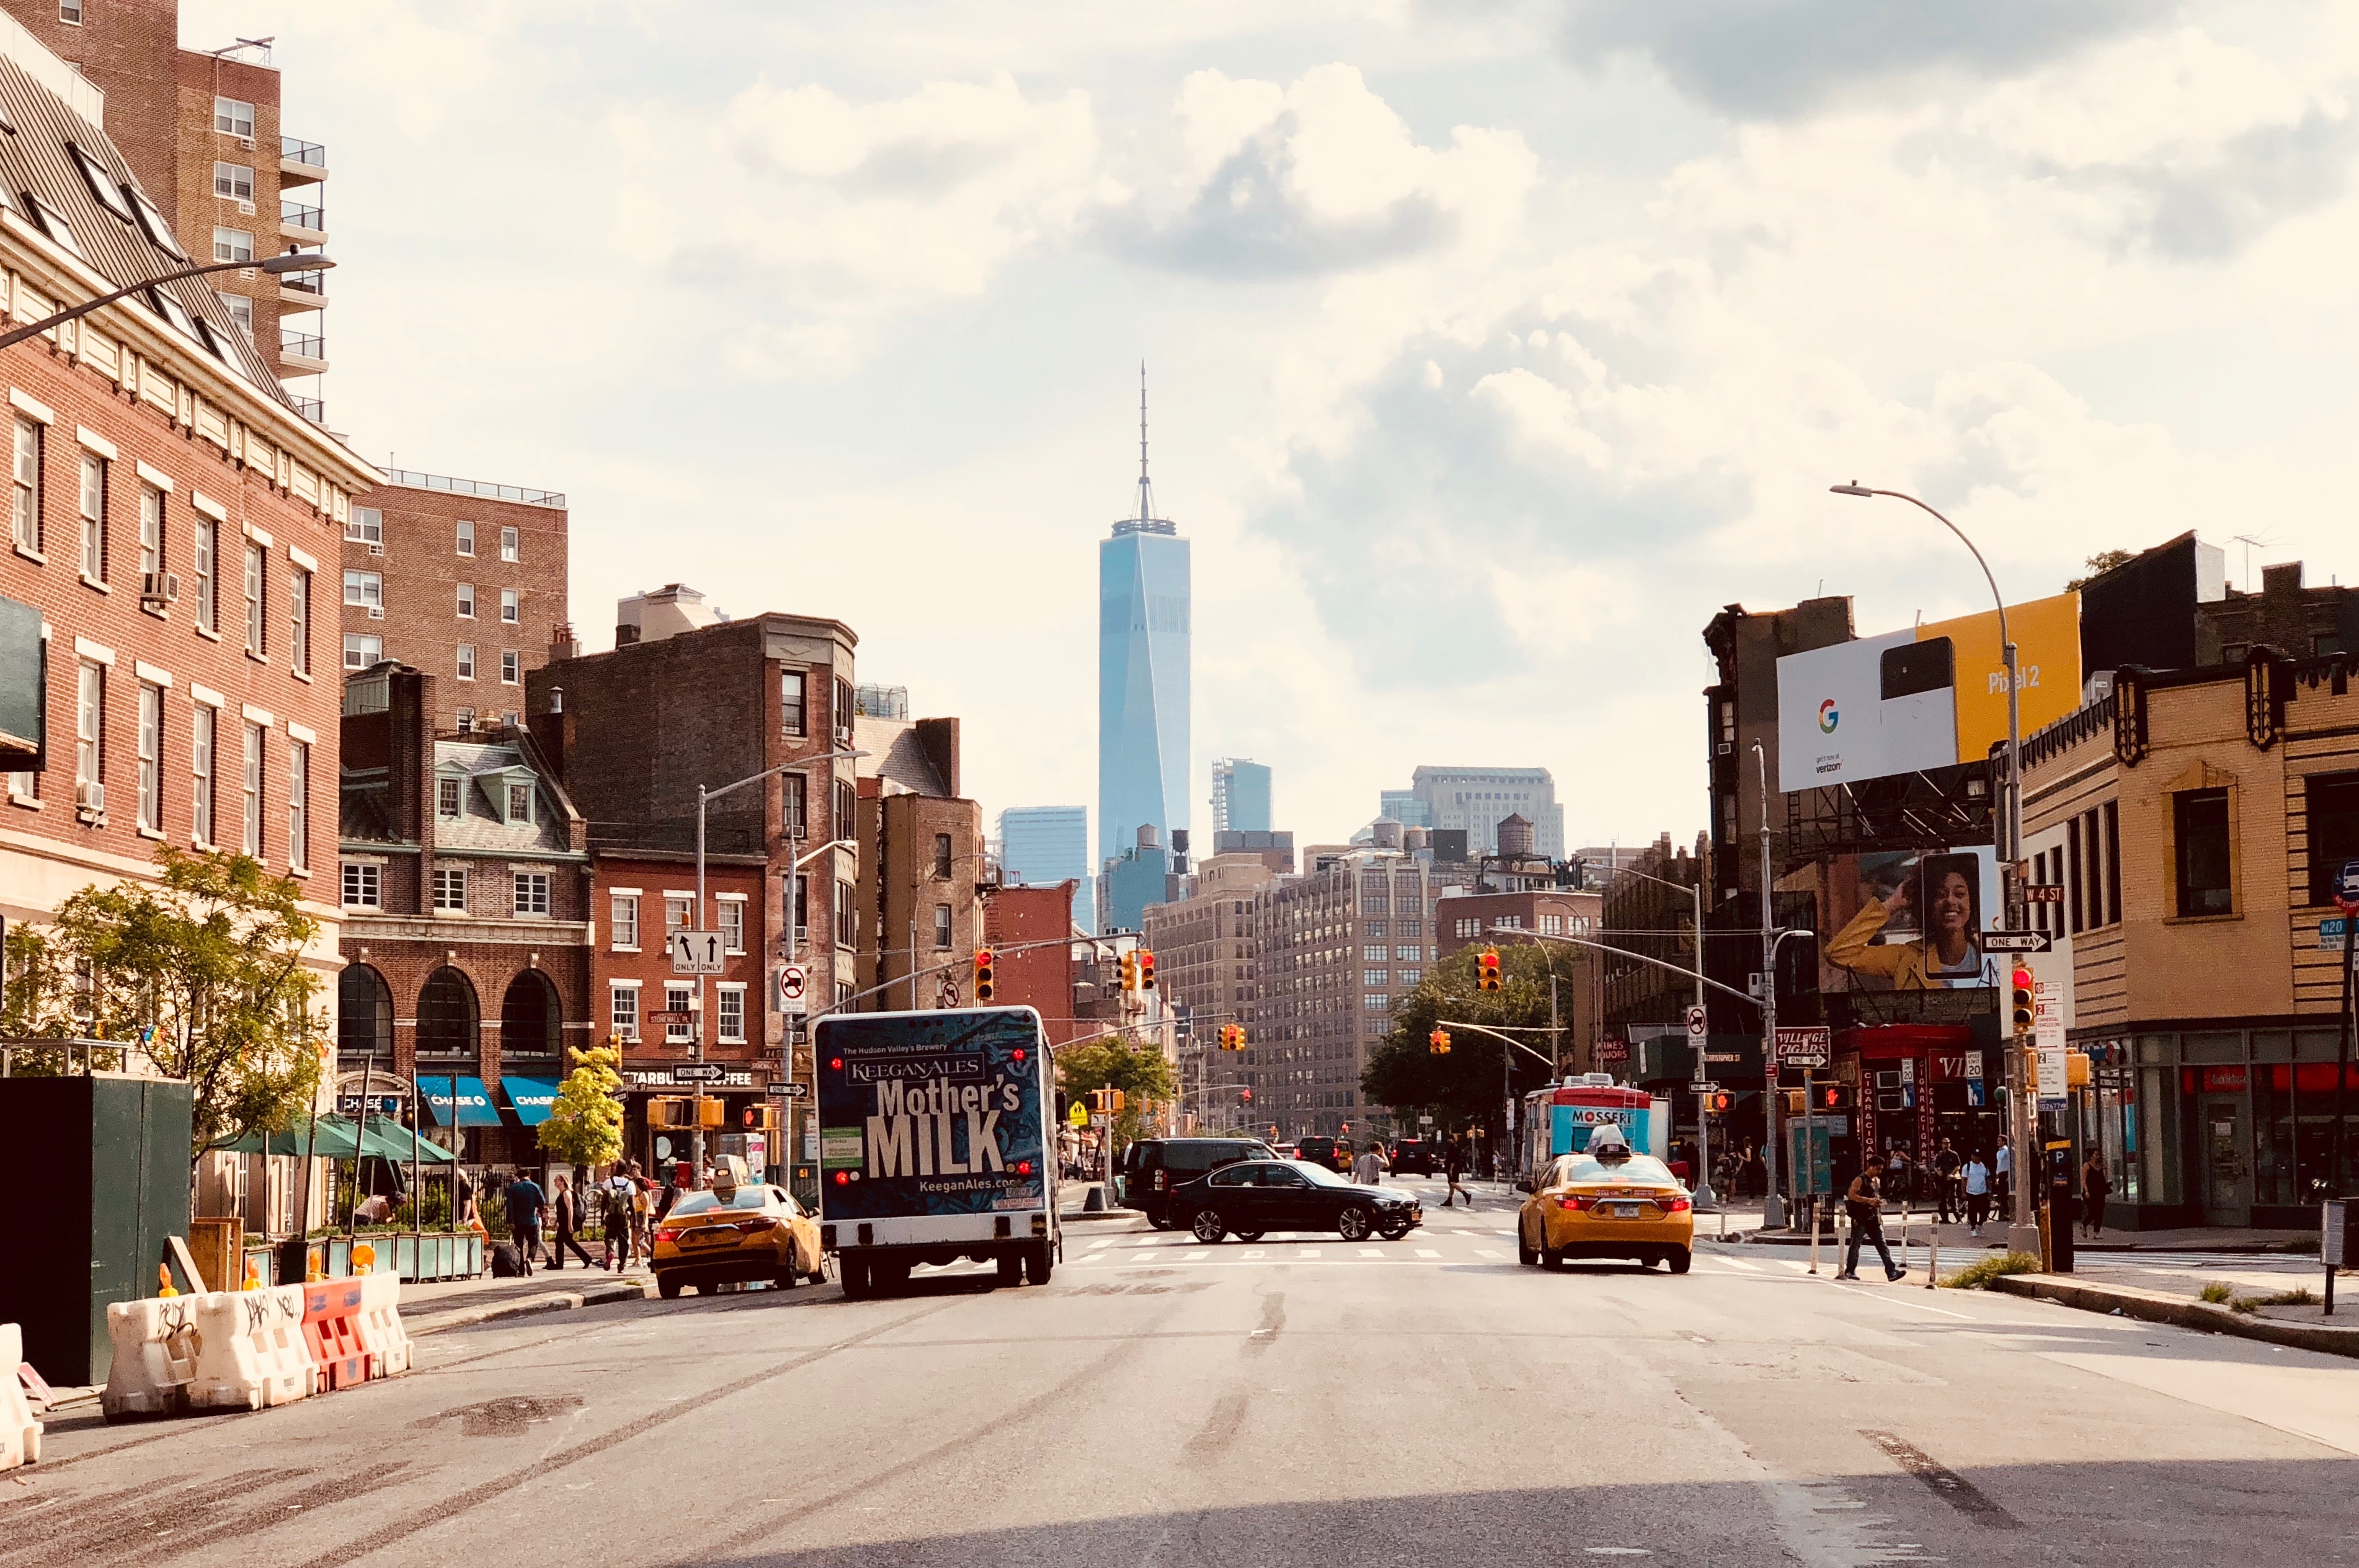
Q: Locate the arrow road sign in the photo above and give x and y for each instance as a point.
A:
(1704, 1087)
(1804, 1047)
(698, 1072)
(2015, 941)
(696, 953)
(790, 1091)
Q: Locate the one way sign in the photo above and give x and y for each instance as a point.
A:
(696, 951)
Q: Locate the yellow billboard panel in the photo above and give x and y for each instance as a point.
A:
(2047, 664)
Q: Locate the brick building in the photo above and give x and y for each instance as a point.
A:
(462, 578)
(160, 651)
(922, 866)
(465, 874)
(1205, 953)
(633, 732)
(201, 131)
(1030, 930)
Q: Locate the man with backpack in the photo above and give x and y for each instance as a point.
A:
(1863, 1201)
(618, 1199)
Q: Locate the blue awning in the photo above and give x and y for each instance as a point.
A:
(530, 1098)
(475, 1107)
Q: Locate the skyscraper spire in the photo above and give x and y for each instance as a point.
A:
(1145, 492)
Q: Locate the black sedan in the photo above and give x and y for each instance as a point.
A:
(1256, 1197)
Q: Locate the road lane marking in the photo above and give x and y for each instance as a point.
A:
(1488, 1252)
(1306, 1252)
(1902, 1301)
(1427, 1252)
(1196, 1257)
(1740, 1263)
(1102, 1241)
(1373, 1252)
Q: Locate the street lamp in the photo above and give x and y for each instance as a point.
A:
(1705, 1198)
(2025, 1236)
(292, 261)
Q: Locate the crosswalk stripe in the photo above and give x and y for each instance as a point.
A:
(1196, 1257)
(1306, 1252)
(1740, 1263)
(1374, 1252)
(1427, 1252)
(1488, 1252)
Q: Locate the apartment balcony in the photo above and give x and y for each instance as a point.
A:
(302, 354)
(301, 163)
(311, 408)
(303, 290)
(302, 225)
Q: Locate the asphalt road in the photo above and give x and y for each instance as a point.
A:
(1299, 1401)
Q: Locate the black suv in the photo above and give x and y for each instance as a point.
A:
(1153, 1167)
(1416, 1157)
(1335, 1153)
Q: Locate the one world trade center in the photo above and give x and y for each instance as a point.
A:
(1143, 657)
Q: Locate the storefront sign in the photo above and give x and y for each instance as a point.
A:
(672, 1075)
(1805, 1047)
(1611, 1051)
(2223, 1080)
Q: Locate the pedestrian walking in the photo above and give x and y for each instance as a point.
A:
(2096, 1186)
(618, 1202)
(565, 1209)
(1864, 1202)
(1453, 1165)
(1369, 1169)
(1946, 1193)
(1976, 1177)
(2002, 1177)
(1899, 1176)
(525, 1202)
(684, 1177)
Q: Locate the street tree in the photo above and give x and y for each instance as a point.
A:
(204, 968)
(2099, 565)
(585, 1121)
(1465, 1088)
(1138, 1070)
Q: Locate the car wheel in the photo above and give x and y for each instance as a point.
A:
(1393, 1232)
(1011, 1270)
(1039, 1263)
(667, 1289)
(1525, 1254)
(1679, 1259)
(1251, 1235)
(1207, 1227)
(1353, 1224)
(854, 1271)
(1551, 1257)
(787, 1279)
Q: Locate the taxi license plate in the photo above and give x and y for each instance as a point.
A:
(1623, 1210)
(712, 1233)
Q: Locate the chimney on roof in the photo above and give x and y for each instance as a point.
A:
(661, 612)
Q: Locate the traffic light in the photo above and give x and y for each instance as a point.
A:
(710, 1112)
(1130, 971)
(985, 984)
(2024, 1012)
(1437, 1042)
(666, 1111)
(761, 1119)
(1719, 1104)
(1146, 971)
(1835, 1096)
(1246, 1095)
(1117, 1102)
(1233, 1036)
(1794, 1101)
(1490, 969)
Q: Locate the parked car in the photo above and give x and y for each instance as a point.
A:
(1416, 1157)
(1258, 1197)
(1152, 1167)
(729, 1235)
(1335, 1153)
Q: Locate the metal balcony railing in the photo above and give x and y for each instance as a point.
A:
(309, 154)
(311, 408)
(303, 345)
(302, 217)
(305, 282)
(416, 480)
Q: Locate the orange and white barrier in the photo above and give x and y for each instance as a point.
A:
(20, 1434)
(332, 1311)
(155, 1355)
(250, 1350)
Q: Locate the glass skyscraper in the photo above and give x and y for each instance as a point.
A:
(1143, 659)
(1044, 845)
(1240, 796)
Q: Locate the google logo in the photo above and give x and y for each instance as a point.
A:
(1828, 716)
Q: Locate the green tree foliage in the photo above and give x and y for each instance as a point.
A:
(1463, 1090)
(2099, 565)
(585, 1123)
(205, 968)
(1138, 1071)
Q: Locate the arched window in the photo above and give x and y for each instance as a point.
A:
(529, 1017)
(447, 1017)
(363, 1015)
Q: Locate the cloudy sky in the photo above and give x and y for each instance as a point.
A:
(1494, 346)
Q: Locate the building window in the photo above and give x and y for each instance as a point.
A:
(624, 925)
(732, 912)
(89, 726)
(1374, 954)
(1411, 953)
(623, 1012)
(466, 661)
(465, 721)
(250, 840)
(233, 245)
(847, 915)
(466, 602)
(298, 804)
(2199, 825)
(69, 12)
(508, 551)
(1375, 978)
(233, 182)
(731, 1020)
(232, 117)
(679, 915)
(364, 525)
(511, 666)
(241, 311)
(1376, 1001)
(151, 535)
(466, 546)
(519, 803)
(257, 641)
(298, 601)
(1410, 977)
(532, 892)
(677, 999)
(93, 517)
(847, 799)
(364, 885)
(508, 606)
(366, 589)
(802, 910)
(792, 718)
(450, 888)
(942, 854)
(794, 791)
(200, 796)
(208, 597)
(1466, 927)
(363, 649)
(2334, 802)
(943, 927)
(151, 757)
(28, 486)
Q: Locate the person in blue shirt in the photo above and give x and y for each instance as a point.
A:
(525, 1202)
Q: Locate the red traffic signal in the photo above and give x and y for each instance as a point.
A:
(1146, 971)
(986, 980)
(1245, 1095)
(1489, 969)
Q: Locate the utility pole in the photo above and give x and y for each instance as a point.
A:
(1773, 1206)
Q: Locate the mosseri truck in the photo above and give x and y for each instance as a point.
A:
(936, 1143)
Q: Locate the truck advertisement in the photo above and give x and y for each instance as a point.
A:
(931, 1114)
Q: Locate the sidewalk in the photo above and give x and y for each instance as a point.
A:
(2156, 1295)
(431, 1307)
(2191, 1238)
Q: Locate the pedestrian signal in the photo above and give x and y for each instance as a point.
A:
(1437, 1042)
(1719, 1104)
(1835, 1096)
(761, 1119)
(2024, 1006)
(985, 986)
(1490, 969)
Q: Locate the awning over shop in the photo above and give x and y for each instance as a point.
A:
(530, 1098)
(389, 1140)
(475, 1107)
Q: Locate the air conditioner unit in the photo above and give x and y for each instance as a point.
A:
(377, 548)
(1889, 1080)
(245, 209)
(159, 587)
(90, 797)
(1889, 1099)
(376, 611)
(246, 142)
(1726, 749)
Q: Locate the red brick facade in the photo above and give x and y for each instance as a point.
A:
(1038, 977)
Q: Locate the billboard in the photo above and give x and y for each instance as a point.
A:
(932, 1113)
(1930, 697)
(1912, 922)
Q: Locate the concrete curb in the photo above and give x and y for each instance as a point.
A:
(1072, 1215)
(2154, 1306)
(527, 1306)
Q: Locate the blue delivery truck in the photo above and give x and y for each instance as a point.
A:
(937, 1143)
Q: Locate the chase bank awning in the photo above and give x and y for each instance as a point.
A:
(530, 1098)
(474, 1101)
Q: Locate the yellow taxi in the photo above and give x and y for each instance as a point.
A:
(734, 1235)
(1607, 1203)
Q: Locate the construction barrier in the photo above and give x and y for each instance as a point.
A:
(20, 1434)
(332, 1333)
(383, 1339)
(250, 1350)
(155, 1355)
